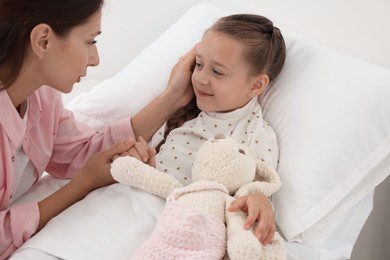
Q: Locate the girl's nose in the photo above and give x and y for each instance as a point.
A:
(201, 78)
(204, 81)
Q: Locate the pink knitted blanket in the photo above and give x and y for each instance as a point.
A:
(184, 232)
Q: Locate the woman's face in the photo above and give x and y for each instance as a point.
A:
(71, 55)
(222, 81)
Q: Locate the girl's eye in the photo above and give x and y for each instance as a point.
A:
(217, 72)
(93, 42)
(198, 65)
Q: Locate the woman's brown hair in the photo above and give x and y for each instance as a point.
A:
(19, 17)
(265, 52)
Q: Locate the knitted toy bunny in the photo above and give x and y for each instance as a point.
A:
(192, 224)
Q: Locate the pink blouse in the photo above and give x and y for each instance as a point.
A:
(55, 142)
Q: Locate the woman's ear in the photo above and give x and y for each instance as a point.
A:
(40, 39)
(259, 84)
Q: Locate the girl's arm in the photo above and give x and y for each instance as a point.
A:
(253, 198)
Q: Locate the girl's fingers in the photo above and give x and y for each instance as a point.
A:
(237, 204)
(134, 153)
(252, 217)
(142, 148)
(260, 231)
(152, 158)
(265, 229)
(117, 149)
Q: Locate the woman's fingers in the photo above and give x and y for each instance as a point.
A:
(190, 55)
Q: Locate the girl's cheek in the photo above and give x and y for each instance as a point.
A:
(193, 78)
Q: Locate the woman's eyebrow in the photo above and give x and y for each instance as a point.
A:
(96, 33)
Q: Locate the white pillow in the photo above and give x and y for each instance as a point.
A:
(330, 112)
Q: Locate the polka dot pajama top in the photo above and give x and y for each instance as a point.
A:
(245, 124)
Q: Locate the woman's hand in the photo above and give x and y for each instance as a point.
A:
(179, 84)
(96, 172)
(175, 96)
(259, 208)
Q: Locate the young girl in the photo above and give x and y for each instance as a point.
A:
(236, 60)
(45, 47)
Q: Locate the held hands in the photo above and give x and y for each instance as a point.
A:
(259, 208)
(179, 84)
(141, 151)
(96, 172)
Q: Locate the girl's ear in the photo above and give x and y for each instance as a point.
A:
(40, 39)
(259, 85)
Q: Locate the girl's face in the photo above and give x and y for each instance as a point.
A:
(71, 55)
(221, 79)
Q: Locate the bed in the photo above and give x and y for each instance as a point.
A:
(331, 115)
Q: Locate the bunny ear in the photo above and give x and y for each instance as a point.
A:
(266, 181)
(268, 177)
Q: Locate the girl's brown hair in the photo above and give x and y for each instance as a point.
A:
(265, 52)
(19, 17)
(265, 48)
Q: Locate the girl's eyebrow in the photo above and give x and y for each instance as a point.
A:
(213, 61)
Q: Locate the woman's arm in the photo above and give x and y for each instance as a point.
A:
(178, 94)
(95, 174)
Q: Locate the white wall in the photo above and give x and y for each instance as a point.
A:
(356, 27)
(359, 28)
(373, 241)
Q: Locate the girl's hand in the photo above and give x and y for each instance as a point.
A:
(179, 84)
(141, 151)
(259, 208)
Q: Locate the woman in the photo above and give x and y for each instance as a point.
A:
(46, 47)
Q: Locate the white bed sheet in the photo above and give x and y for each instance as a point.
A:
(294, 252)
(119, 202)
